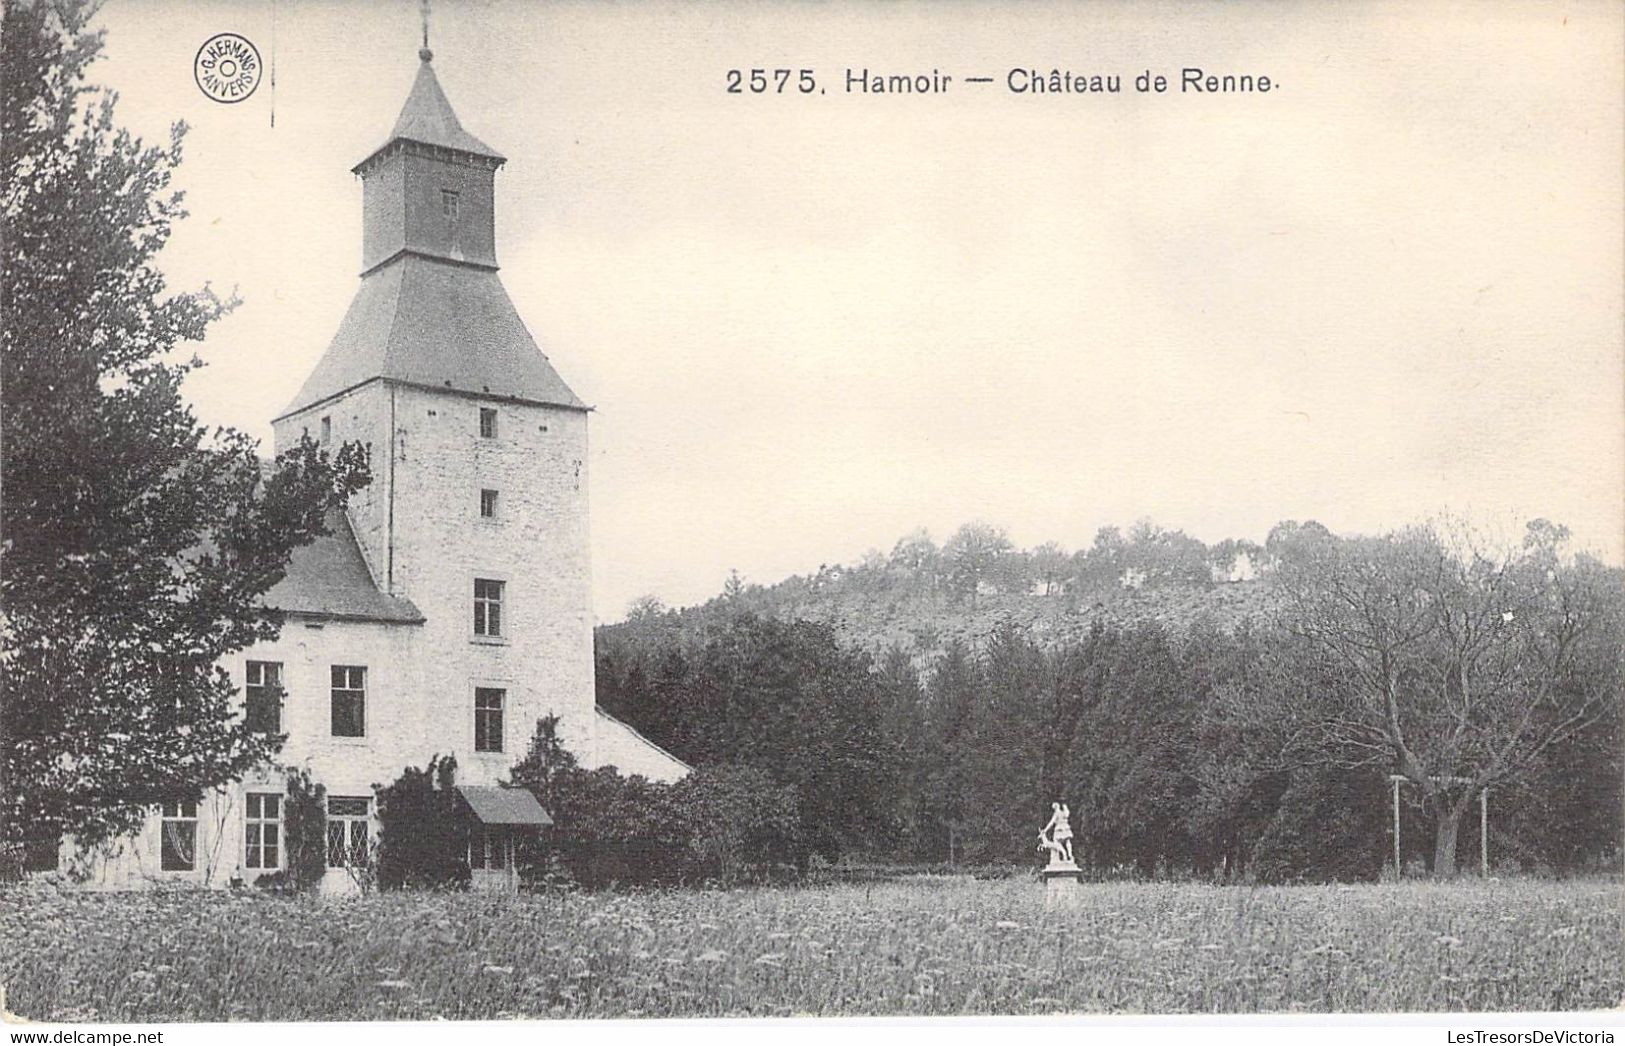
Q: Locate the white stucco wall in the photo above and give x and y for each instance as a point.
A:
(420, 528)
(631, 753)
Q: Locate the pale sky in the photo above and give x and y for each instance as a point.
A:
(809, 324)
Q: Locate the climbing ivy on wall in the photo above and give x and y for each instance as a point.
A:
(305, 822)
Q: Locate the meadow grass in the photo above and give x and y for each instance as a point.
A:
(921, 946)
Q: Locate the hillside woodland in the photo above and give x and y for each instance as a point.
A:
(1232, 711)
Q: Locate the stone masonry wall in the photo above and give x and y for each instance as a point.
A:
(537, 545)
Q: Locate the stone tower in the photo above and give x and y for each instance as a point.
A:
(477, 510)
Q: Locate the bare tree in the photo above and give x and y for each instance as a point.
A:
(1453, 665)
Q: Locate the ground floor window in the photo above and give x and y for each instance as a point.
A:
(348, 830)
(263, 830)
(178, 849)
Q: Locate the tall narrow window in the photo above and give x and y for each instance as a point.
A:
(448, 203)
(264, 692)
(178, 848)
(349, 701)
(262, 830)
(488, 422)
(487, 607)
(347, 831)
(488, 504)
(327, 431)
(488, 703)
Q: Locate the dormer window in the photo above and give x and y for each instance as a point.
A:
(448, 203)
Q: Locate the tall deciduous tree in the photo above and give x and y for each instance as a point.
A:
(973, 555)
(1458, 668)
(135, 544)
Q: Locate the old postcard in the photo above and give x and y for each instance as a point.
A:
(546, 512)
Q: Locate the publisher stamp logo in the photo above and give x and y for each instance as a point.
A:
(227, 68)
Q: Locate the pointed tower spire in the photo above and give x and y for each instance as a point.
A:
(428, 119)
(430, 312)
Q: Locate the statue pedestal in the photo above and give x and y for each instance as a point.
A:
(1063, 885)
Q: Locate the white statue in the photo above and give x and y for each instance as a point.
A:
(1058, 840)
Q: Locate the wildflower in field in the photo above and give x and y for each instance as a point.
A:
(712, 956)
(394, 984)
(1006, 924)
(1447, 940)
(770, 959)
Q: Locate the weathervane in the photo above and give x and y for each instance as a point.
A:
(423, 11)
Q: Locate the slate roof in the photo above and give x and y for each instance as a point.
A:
(427, 117)
(329, 578)
(504, 805)
(438, 325)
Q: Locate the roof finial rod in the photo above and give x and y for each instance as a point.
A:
(423, 9)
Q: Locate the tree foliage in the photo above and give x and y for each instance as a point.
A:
(732, 821)
(1458, 667)
(423, 829)
(304, 829)
(723, 822)
(788, 700)
(1232, 746)
(136, 544)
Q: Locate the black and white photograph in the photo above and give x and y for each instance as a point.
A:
(880, 518)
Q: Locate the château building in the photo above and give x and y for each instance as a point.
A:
(450, 606)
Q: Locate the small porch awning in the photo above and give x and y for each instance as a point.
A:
(504, 806)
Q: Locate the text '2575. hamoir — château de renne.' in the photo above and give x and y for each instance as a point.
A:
(1017, 80)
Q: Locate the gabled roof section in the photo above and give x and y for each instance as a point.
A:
(438, 325)
(428, 118)
(328, 578)
(622, 747)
